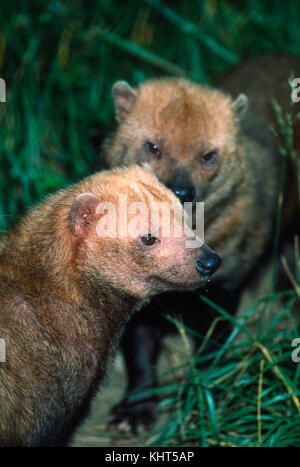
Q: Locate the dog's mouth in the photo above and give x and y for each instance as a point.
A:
(201, 282)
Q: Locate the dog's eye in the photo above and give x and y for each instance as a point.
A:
(148, 239)
(208, 157)
(153, 149)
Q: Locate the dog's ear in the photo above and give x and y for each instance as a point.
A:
(83, 214)
(240, 105)
(124, 97)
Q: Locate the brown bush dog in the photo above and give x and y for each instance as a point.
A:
(206, 146)
(66, 294)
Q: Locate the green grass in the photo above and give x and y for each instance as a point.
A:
(59, 60)
(248, 396)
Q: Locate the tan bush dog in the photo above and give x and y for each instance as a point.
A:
(66, 293)
(204, 146)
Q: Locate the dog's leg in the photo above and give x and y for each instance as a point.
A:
(141, 345)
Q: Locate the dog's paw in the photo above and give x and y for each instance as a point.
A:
(135, 417)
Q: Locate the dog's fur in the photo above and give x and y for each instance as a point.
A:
(65, 296)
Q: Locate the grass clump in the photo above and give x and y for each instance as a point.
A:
(249, 395)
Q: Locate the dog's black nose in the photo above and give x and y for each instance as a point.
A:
(207, 265)
(184, 193)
